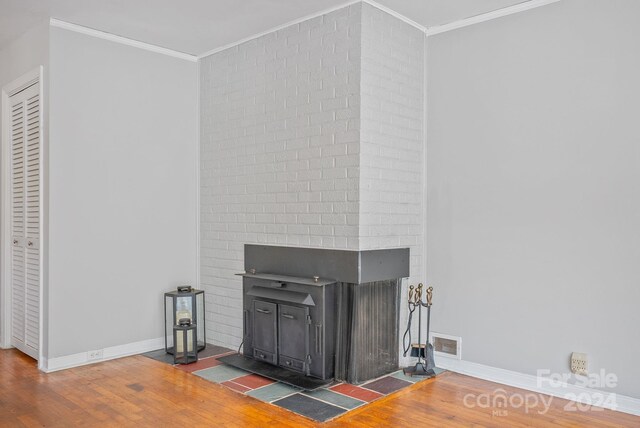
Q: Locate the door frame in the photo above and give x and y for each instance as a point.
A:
(30, 78)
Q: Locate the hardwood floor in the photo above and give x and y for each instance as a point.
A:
(138, 391)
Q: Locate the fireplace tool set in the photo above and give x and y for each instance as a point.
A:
(424, 351)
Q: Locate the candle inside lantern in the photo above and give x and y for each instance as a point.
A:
(180, 337)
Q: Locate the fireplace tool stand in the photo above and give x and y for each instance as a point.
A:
(425, 364)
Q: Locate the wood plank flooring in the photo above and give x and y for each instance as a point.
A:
(141, 392)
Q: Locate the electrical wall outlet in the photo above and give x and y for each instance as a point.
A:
(579, 363)
(94, 355)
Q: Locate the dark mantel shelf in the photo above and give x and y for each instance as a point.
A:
(351, 266)
(284, 278)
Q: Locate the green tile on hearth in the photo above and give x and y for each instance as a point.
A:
(272, 392)
(221, 373)
(335, 398)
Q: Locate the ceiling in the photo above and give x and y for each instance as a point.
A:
(198, 26)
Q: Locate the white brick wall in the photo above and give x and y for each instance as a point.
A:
(391, 146)
(391, 139)
(280, 119)
(310, 136)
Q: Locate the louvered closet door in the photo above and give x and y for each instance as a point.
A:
(25, 219)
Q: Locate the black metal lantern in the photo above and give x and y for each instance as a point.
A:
(184, 303)
(185, 336)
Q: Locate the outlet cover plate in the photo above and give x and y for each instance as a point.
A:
(579, 363)
(94, 355)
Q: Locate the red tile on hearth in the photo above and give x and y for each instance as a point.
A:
(356, 392)
(253, 381)
(235, 386)
(202, 364)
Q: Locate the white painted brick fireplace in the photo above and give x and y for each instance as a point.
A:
(311, 136)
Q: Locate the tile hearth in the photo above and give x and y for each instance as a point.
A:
(321, 405)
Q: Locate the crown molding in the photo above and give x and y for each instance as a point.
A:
(122, 40)
(395, 14)
(279, 27)
(483, 17)
(428, 31)
(311, 16)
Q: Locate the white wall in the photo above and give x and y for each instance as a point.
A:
(123, 190)
(533, 181)
(279, 152)
(25, 53)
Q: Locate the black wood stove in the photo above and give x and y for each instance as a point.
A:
(289, 322)
(312, 315)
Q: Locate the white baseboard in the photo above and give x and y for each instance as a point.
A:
(542, 385)
(111, 353)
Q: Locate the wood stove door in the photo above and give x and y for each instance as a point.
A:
(294, 337)
(265, 331)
